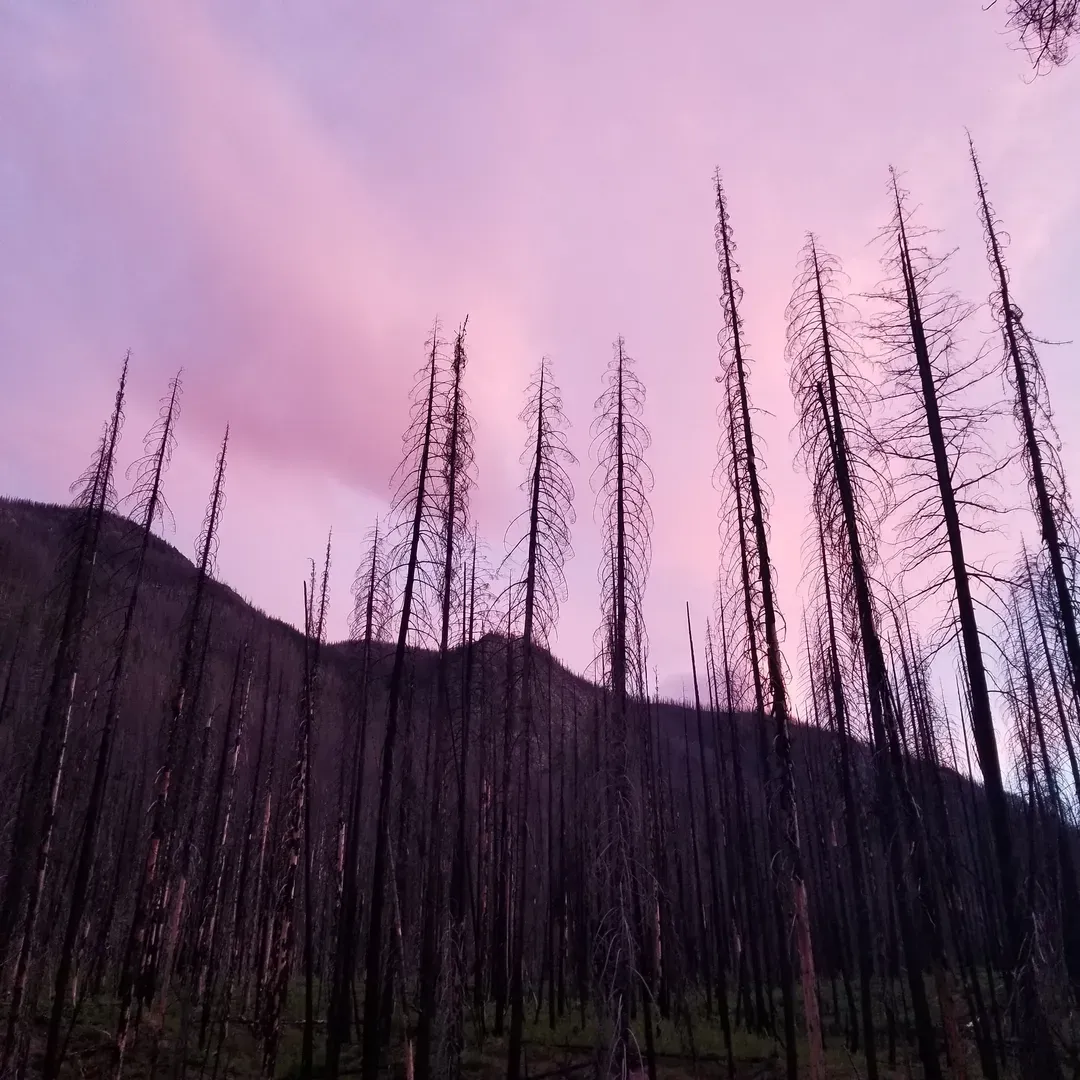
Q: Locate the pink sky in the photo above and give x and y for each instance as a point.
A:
(280, 197)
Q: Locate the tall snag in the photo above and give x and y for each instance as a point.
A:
(789, 862)
(746, 582)
(36, 815)
(933, 431)
(140, 968)
(1041, 445)
(369, 624)
(623, 481)
(849, 499)
(297, 844)
(455, 460)
(545, 534)
(150, 507)
(415, 508)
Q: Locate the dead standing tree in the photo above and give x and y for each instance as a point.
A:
(454, 456)
(1050, 503)
(789, 863)
(37, 810)
(139, 972)
(150, 506)
(936, 432)
(416, 510)
(742, 649)
(623, 481)
(537, 596)
(1041, 446)
(840, 456)
(370, 622)
(298, 843)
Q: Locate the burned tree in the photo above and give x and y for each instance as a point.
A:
(1041, 445)
(622, 480)
(150, 506)
(936, 433)
(35, 820)
(369, 624)
(139, 973)
(416, 510)
(763, 631)
(455, 460)
(298, 843)
(849, 497)
(545, 529)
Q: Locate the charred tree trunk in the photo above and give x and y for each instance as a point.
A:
(416, 496)
(784, 803)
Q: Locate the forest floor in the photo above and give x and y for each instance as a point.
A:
(568, 1051)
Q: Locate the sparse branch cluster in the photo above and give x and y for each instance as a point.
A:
(1046, 29)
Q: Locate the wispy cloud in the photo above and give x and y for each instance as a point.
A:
(281, 199)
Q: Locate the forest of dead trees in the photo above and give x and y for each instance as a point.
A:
(228, 847)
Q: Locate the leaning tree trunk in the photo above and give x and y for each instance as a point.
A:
(373, 983)
(785, 805)
(1035, 1035)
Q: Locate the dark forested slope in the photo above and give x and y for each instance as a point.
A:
(700, 788)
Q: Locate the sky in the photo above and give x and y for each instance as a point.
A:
(279, 198)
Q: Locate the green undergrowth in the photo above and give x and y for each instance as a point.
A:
(692, 1049)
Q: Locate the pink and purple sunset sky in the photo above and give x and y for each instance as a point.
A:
(279, 197)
